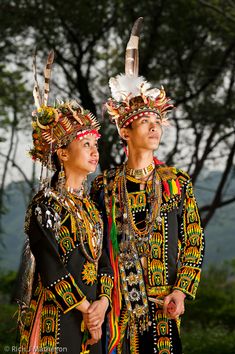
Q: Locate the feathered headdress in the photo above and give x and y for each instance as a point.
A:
(132, 95)
(57, 125)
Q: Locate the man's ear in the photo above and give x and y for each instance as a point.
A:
(62, 154)
(124, 133)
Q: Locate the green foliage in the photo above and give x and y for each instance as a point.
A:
(8, 330)
(8, 312)
(208, 323)
(210, 340)
(7, 282)
(186, 45)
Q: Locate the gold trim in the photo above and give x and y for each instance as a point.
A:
(158, 290)
(75, 305)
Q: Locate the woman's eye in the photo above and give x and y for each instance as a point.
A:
(144, 121)
(86, 144)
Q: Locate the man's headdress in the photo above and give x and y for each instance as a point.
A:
(132, 95)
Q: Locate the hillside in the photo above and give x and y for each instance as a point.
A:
(220, 244)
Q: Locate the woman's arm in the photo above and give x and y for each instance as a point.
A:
(60, 284)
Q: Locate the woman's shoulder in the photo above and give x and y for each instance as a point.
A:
(44, 205)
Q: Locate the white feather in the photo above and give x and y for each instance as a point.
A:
(123, 86)
(153, 93)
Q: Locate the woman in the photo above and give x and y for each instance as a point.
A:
(73, 279)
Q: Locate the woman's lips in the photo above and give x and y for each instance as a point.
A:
(93, 162)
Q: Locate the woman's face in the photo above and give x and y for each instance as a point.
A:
(81, 156)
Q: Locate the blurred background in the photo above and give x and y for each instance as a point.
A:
(188, 46)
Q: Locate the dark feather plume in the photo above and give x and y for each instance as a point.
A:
(47, 76)
(132, 52)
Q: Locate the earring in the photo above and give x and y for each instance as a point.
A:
(61, 178)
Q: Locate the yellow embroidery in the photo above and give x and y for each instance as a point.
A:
(89, 273)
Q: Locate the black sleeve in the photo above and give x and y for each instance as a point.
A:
(59, 283)
(105, 271)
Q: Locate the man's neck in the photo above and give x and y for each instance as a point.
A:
(138, 160)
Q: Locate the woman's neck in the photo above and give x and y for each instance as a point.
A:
(74, 181)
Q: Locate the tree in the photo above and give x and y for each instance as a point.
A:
(13, 110)
(186, 45)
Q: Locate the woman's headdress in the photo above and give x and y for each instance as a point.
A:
(57, 125)
(132, 95)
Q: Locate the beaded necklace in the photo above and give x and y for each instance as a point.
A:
(140, 173)
(131, 232)
(138, 180)
(77, 191)
(89, 224)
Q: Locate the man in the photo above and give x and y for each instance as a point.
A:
(153, 226)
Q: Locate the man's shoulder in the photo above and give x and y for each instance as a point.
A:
(106, 177)
(174, 180)
(171, 172)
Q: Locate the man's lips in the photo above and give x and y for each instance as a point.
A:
(153, 136)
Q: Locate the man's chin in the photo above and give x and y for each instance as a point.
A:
(153, 146)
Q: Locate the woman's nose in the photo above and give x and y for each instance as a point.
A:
(94, 151)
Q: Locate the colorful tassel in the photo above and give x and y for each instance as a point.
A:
(178, 186)
(157, 162)
(113, 231)
(166, 188)
(116, 296)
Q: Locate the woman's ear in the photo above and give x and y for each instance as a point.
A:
(63, 154)
(124, 134)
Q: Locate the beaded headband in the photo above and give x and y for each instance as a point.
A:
(58, 125)
(132, 95)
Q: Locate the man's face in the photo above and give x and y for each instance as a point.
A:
(144, 134)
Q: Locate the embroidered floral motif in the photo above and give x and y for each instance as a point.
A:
(89, 273)
(134, 295)
(132, 279)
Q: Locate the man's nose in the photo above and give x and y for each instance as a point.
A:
(153, 126)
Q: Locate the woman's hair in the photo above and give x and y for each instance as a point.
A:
(57, 164)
